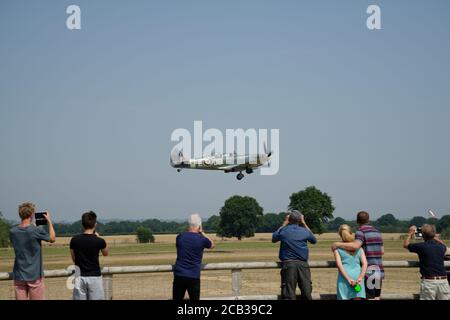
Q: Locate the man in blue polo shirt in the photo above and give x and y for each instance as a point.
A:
(294, 256)
(190, 246)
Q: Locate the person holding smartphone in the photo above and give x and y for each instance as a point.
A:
(431, 251)
(85, 249)
(26, 240)
(190, 247)
(294, 235)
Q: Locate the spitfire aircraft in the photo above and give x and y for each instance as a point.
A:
(225, 162)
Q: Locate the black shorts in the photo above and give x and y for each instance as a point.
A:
(373, 293)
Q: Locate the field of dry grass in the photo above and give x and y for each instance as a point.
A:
(125, 251)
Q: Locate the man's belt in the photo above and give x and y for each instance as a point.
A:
(435, 278)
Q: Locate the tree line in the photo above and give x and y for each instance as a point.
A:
(243, 217)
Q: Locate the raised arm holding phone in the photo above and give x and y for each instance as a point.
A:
(85, 249)
(431, 251)
(26, 239)
(190, 246)
(294, 234)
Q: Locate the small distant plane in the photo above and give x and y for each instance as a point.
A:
(230, 162)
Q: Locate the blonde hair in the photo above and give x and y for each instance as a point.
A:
(26, 210)
(346, 234)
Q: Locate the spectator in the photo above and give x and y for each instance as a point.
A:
(369, 239)
(85, 249)
(190, 246)
(28, 266)
(447, 258)
(294, 256)
(431, 252)
(352, 266)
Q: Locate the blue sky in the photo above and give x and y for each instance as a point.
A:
(86, 115)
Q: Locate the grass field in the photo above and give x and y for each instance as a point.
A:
(124, 251)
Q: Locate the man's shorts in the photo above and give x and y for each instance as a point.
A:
(88, 288)
(434, 290)
(30, 290)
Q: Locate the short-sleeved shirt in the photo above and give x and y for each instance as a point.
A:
(86, 248)
(190, 247)
(27, 247)
(431, 257)
(372, 244)
(294, 242)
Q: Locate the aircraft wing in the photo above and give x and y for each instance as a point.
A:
(233, 167)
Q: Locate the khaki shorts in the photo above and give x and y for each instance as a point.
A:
(434, 290)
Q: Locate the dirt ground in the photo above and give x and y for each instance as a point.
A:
(125, 251)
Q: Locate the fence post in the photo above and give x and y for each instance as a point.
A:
(108, 286)
(236, 282)
(448, 271)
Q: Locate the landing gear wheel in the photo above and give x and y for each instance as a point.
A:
(178, 170)
(240, 176)
(249, 170)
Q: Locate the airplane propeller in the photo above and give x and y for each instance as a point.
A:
(268, 154)
(265, 150)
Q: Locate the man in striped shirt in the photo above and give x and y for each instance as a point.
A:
(368, 238)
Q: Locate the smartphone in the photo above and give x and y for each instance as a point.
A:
(40, 219)
(418, 233)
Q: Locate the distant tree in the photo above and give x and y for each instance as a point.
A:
(402, 226)
(270, 222)
(387, 220)
(443, 223)
(239, 217)
(352, 224)
(388, 223)
(164, 226)
(418, 221)
(4, 232)
(120, 227)
(212, 224)
(445, 234)
(334, 224)
(144, 235)
(69, 228)
(316, 205)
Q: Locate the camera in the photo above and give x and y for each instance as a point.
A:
(40, 219)
(419, 233)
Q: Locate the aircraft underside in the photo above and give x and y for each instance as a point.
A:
(248, 169)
